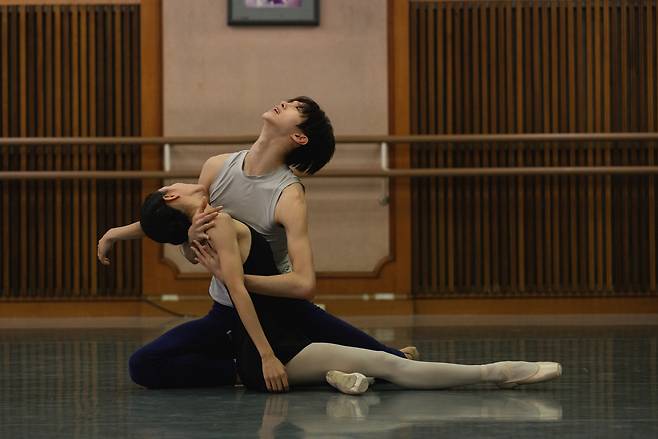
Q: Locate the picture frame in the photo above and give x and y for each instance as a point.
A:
(273, 12)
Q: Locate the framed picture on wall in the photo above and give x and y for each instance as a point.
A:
(273, 12)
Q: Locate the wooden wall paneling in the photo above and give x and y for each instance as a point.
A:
(449, 121)
(573, 181)
(4, 91)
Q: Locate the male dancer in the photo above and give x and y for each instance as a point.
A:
(258, 188)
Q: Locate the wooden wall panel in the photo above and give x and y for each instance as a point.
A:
(68, 70)
(527, 67)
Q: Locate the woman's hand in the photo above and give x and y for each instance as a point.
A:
(208, 257)
(276, 378)
(104, 246)
(202, 222)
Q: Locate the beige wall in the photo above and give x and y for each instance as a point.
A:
(219, 79)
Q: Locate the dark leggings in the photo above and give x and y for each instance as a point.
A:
(199, 353)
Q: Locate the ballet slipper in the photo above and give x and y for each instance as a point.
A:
(349, 383)
(544, 371)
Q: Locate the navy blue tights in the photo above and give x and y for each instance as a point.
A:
(199, 353)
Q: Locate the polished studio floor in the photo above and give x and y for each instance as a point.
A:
(73, 383)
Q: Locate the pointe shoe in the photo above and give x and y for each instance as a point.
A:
(411, 352)
(349, 383)
(545, 371)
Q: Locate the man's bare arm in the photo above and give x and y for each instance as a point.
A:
(300, 282)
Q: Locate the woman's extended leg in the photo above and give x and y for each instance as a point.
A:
(311, 365)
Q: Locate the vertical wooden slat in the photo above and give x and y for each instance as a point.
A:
(42, 237)
(440, 211)
(65, 105)
(57, 58)
(485, 215)
(119, 149)
(546, 185)
(5, 150)
(598, 66)
(625, 231)
(492, 269)
(22, 90)
(520, 181)
(433, 150)
(536, 149)
(93, 279)
(608, 159)
(554, 149)
(87, 241)
(651, 232)
(75, 149)
(510, 128)
(422, 111)
(449, 130)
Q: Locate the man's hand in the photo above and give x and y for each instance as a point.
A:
(208, 257)
(276, 378)
(202, 222)
(104, 246)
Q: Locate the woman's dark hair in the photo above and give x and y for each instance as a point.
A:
(321, 145)
(161, 222)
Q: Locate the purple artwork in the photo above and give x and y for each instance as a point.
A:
(273, 3)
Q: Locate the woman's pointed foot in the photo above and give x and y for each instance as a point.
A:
(349, 383)
(515, 373)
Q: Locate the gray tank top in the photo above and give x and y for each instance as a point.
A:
(252, 200)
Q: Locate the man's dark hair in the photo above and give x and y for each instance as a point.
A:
(321, 145)
(163, 223)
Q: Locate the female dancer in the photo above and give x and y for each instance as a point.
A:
(268, 338)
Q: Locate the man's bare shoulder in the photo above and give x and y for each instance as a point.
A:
(292, 204)
(211, 168)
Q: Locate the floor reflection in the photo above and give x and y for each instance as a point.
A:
(74, 384)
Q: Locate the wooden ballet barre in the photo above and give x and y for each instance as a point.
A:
(356, 173)
(425, 138)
